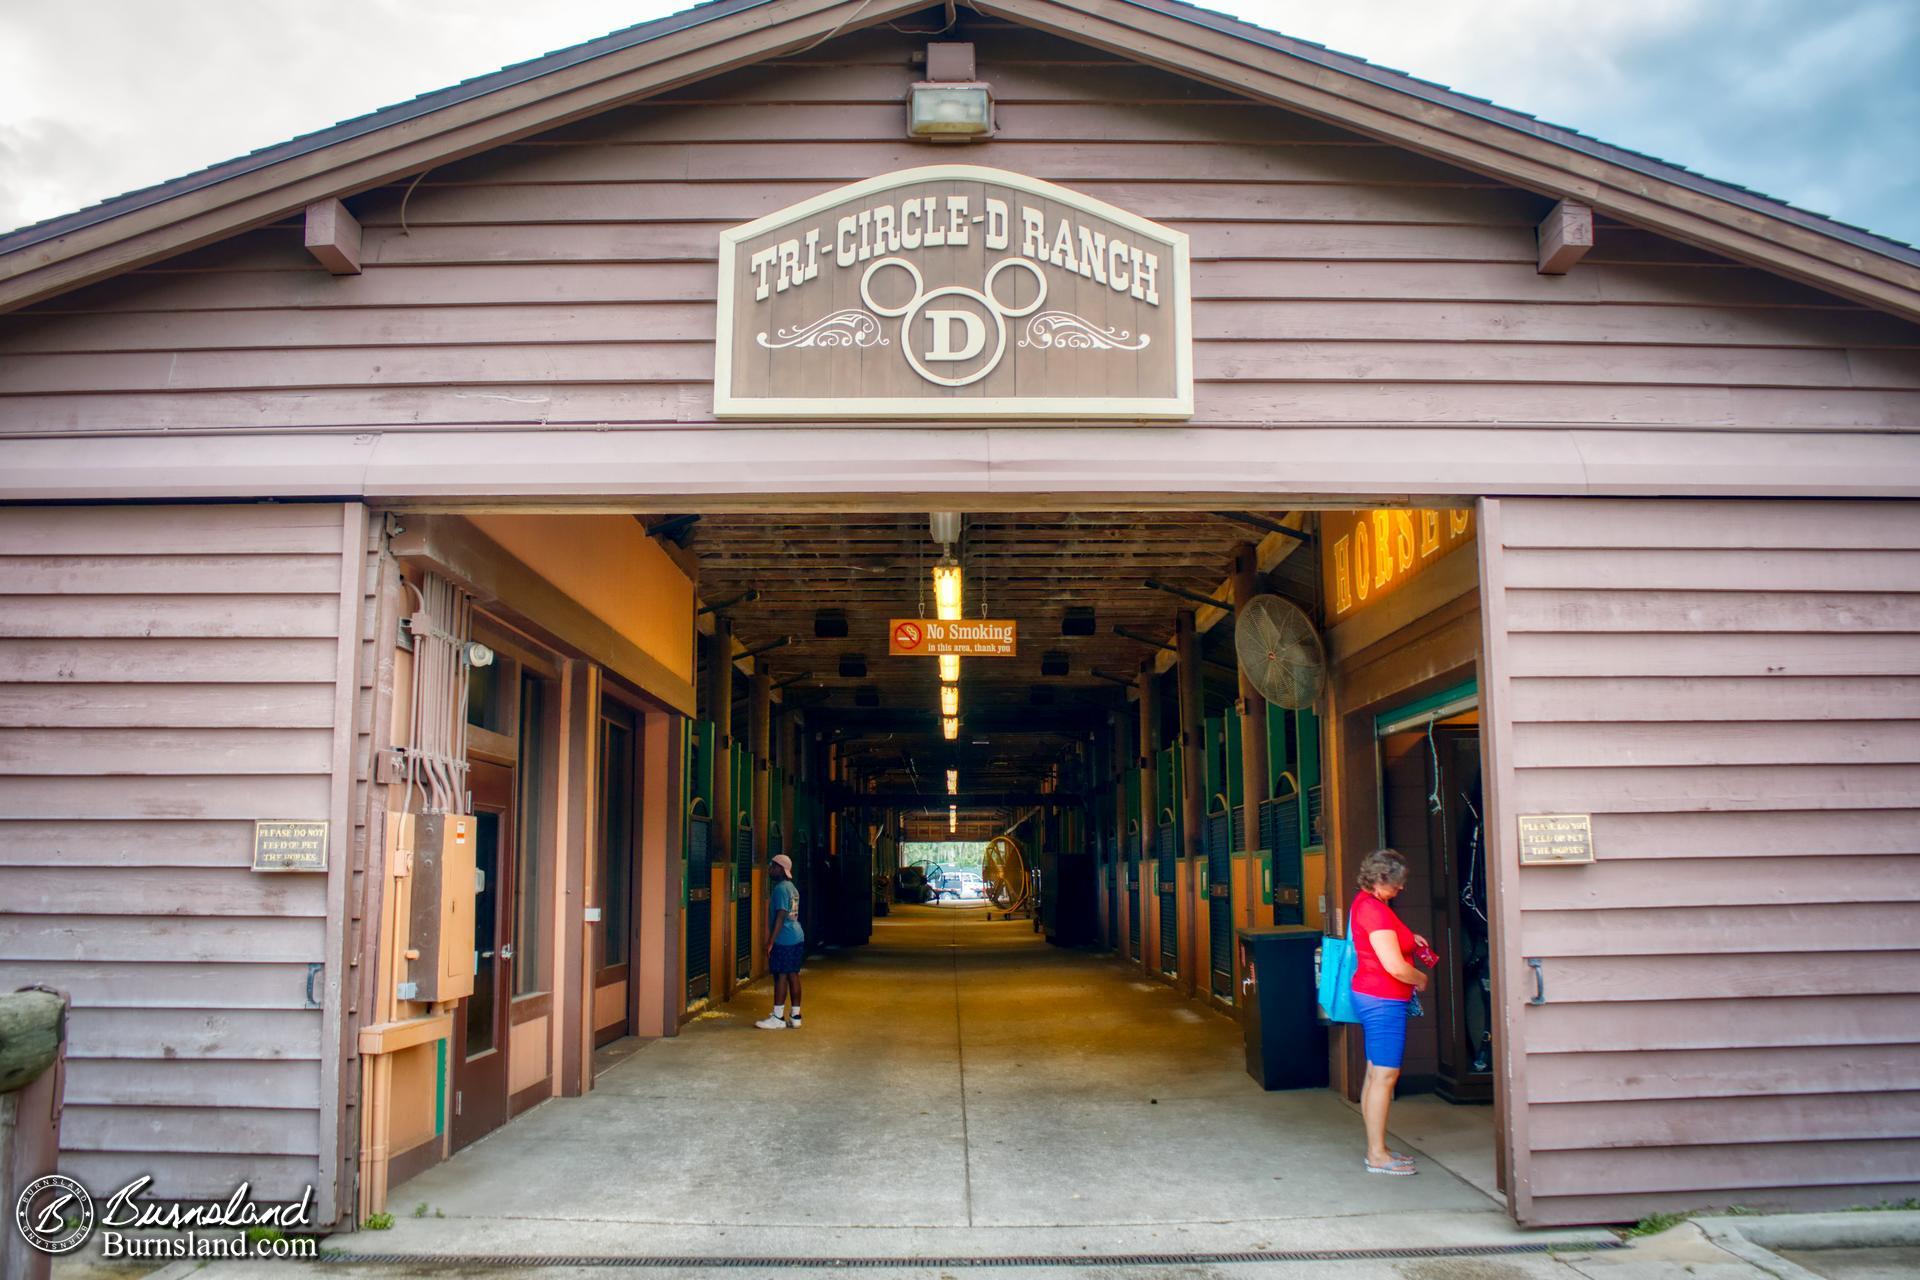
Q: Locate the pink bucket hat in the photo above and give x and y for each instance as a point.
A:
(785, 863)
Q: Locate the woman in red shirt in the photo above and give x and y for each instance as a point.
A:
(1384, 981)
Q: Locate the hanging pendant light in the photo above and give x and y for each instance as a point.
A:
(953, 782)
(950, 727)
(947, 589)
(949, 668)
(949, 700)
(953, 818)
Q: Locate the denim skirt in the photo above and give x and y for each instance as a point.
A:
(1385, 1023)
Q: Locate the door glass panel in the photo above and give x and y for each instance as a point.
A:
(616, 838)
(487, 698)
(481, 1011)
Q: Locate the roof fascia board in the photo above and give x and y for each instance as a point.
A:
(472, 124)
(1179, 43)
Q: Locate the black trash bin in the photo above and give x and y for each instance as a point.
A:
(1280, 1010)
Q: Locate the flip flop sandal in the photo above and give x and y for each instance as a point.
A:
(1391, 1170)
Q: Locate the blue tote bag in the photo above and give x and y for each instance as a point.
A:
(1337, 963)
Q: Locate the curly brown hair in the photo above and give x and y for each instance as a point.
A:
(1382, 867)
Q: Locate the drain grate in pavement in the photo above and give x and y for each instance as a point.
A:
(473, 1261)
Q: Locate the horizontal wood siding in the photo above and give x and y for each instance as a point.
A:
(1732, 690)
(569, 279)
(168, 675)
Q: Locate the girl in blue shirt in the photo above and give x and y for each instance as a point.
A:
(786, 945)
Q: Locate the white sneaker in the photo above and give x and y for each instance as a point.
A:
(794, 1021)
(771, 1023)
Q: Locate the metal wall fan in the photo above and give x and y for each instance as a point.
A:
(1280, 651)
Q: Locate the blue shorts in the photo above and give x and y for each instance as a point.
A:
(785, 957)
(1385, 1024)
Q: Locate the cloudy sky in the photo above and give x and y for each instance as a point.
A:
(1813, 101)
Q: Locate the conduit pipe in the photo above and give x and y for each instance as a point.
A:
(435, 757)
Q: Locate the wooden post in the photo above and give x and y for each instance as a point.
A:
(1117, 771)
(574, 836)
(656, 992)
(790, 741)
(720, 707)
(1149, 739)
(833, 778)
(1253, 740)
(32, 1078)
(760, 742)
(1193, 797)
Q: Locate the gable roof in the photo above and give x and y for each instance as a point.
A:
(143, 226)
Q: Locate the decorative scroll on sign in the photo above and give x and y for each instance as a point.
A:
(953, 291)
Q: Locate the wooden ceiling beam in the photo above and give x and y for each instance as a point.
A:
(1268, 554)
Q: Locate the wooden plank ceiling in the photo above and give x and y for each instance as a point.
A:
(1030, 567)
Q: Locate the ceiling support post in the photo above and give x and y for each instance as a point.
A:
(1253, 723)
(1193, 800)
(720, 708)
(1149, 795)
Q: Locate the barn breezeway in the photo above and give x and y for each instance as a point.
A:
(959, 1088)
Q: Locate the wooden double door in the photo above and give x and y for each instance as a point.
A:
(1432, 805)
(482, 1076)
(617, 870)
(482, 1027)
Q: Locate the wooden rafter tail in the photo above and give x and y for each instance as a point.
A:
(333, 237)
(1566, 236)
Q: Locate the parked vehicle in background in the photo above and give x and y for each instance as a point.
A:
(960, 885)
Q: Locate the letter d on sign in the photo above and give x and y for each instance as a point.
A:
(943, 322)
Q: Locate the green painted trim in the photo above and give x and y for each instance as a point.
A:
(1279, 753)
(1307, 742)
(1470, 690)
(685, 729)
(1236, 783)
(700, 776)
(439, 1087)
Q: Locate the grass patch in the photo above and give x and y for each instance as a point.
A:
(1654, 1224)
(379, 1222)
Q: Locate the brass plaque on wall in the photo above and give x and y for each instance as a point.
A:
(289, 846)
(953, 291)
(1555, 839)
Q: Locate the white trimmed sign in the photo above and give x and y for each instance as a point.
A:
(953, 291)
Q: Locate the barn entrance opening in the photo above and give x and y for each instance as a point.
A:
(1163, 728)
(1206, 719)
